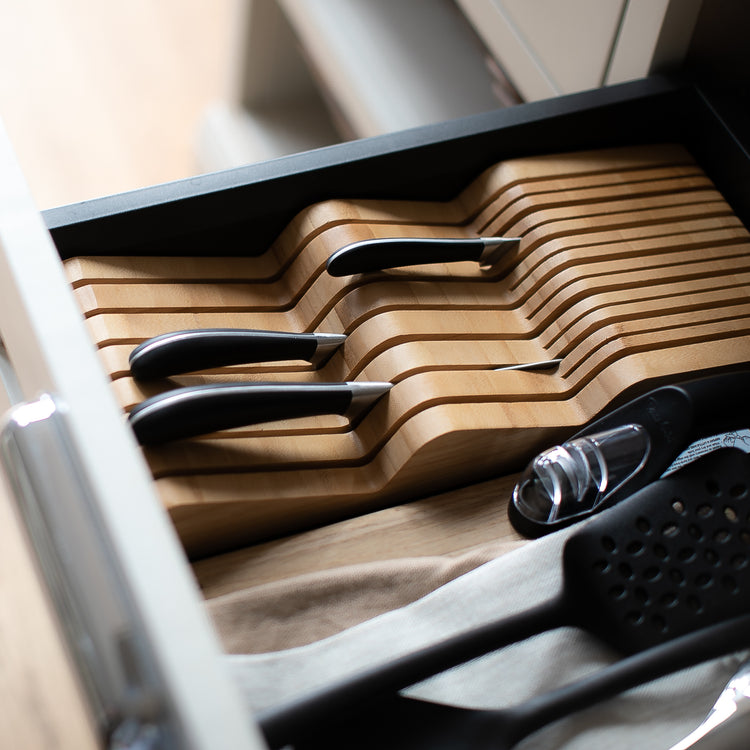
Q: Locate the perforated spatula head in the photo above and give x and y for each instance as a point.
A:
(672, 559)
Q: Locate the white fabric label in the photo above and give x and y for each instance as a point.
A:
(734, 439)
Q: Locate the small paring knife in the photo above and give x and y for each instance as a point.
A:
(201, 349)
(546, 364)
(198, 410)
(382, 253)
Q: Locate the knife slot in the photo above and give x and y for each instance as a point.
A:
(606, 168)
(557, 255)
(588, 188)
(660, 318)
(692, 188)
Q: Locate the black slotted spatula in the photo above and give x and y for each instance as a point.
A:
(671, 560)
(400, 723)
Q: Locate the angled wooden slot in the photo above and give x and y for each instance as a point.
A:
(587, 188)
(145, 269)
(501, 220)
(617, 215)
(557, 255)
(591, 168)
(604, 347)
(697, 346)
(730, 284)
(641, 284)
(647, 312)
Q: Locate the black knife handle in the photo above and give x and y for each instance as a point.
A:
(186, 351)
(198, 410)
(378, 254)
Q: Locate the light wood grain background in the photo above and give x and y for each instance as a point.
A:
(102, 97)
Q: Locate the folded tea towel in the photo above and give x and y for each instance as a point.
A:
(306, 608)
(653, 716)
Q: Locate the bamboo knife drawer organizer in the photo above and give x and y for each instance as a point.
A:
(632, 269)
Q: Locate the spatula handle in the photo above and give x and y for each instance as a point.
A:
(688, 650)
(286, 724)
(402, 723)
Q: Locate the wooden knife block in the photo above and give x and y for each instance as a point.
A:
(631, 268)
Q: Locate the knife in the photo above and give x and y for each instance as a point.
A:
(545, 364)
(378, 254)
(185, 351)
(197, 410)
(727, 724)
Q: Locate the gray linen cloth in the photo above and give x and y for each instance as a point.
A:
(653, 716)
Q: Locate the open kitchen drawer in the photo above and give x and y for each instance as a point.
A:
(141, 655)
(156, 642)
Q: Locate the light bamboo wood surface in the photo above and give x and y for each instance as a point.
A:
(631, 268)
(450, 523)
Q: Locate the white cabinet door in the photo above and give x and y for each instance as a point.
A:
(570, 41)
(553, 47)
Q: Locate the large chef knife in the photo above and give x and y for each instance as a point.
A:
(393, 252)
(200, 349)
(188, 412)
